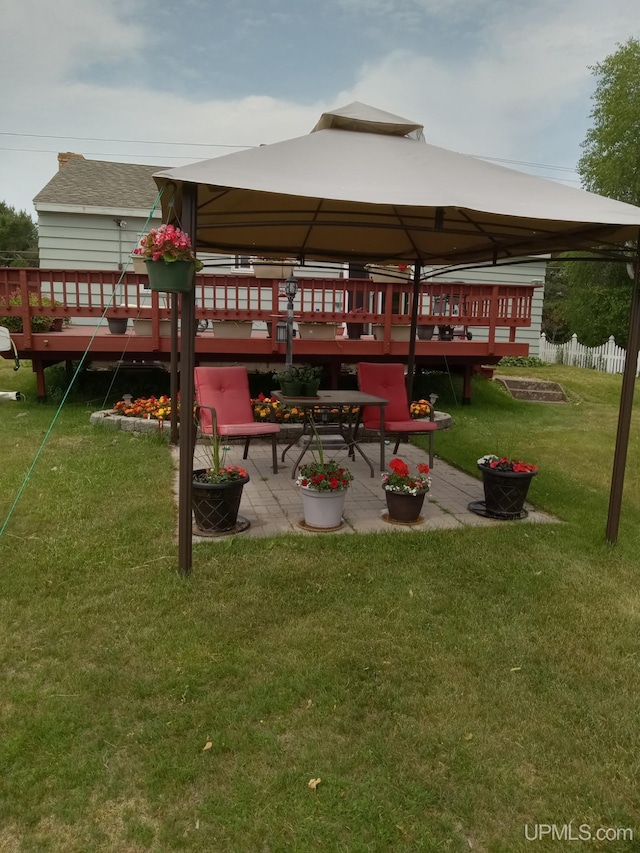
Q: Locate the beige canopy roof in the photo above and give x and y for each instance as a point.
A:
(365, 186)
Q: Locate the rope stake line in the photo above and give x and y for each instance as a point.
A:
(73, 379)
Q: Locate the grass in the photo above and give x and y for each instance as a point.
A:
(448, 689)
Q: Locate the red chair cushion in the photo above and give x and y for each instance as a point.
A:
(226, 389)
(388, 381)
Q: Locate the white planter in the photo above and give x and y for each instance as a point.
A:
(272, 269)
(398, 333)
(144, 327)
(139, 265)
(385, 274)
(323, 510)
(231, 329)
(317, 331)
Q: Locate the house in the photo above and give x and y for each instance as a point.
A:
(92, 213)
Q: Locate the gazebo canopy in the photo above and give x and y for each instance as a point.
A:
(365, 186)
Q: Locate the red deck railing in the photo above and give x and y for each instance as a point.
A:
(83, 295)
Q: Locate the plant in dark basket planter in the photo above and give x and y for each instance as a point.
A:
(170, 259)
(506, 484)
(39, 322)
(289, 381)
(217, 491)
(404, 491)
(310, 376)
(323, 485)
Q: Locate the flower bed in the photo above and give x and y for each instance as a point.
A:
(264, 408)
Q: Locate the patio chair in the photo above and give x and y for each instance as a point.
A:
(226, 390)
(388, 381)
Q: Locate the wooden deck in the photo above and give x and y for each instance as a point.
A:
(86, 296)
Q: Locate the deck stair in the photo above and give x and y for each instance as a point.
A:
(533, 390)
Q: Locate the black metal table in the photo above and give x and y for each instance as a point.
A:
(347, 424)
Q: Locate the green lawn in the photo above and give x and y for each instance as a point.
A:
(449, 689)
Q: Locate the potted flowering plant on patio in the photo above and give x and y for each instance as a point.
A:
(170, 259)
(323, 485)
(404, 491)
(217, 491)
(506, 483)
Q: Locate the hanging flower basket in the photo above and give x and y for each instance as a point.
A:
(169, 258)
(176, 277)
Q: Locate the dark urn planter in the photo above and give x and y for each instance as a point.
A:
(216, 505)
(404, 508)
(505, 492)
(425, 333)
(118, 325)
(355, 330)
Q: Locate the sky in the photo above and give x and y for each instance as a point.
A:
(168, 83)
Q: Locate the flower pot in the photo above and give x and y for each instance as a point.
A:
(272, 269)
(138, 264)
(176, 277)
(355, 330)
(118, 325)
(322, 510)
(398, 333)
(386, 274)
(317, 331)
(445, 333)
(291, 389)
(141, 326)
(505, 492)
(425, 333)
(404, 508)
(310, 389)
(216, 505)
(232, 329)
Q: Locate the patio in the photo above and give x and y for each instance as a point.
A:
(272, 503)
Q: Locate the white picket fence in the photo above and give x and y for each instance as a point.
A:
(608, 358)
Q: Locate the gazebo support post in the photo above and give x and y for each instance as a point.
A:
(173, 386)
(626, 406)
(411, 357)
(187, 362)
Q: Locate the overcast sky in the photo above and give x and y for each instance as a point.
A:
(169, 83)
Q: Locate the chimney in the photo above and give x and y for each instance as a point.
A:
(63, 158)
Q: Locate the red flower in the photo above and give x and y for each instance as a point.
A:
(399, 467)
(423, 468)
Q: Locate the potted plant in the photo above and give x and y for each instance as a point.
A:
(389, 272)
(310, 375)
(289, 381)
(323, 485)
(170, 259)
(217, 491)
(39, 322)
(506, 483)
(404, 492)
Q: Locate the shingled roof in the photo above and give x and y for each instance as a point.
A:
(100, 183)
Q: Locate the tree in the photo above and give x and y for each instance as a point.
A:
(598, 295)
(18, 238)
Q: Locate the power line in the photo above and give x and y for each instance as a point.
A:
(134, 141)
(226, 145)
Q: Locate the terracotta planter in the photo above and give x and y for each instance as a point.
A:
(317, 331)
(398, 333)
(232, 329)
(404, 508)
(322, 510)
(216, 505)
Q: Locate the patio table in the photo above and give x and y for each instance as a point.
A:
(347, 423)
